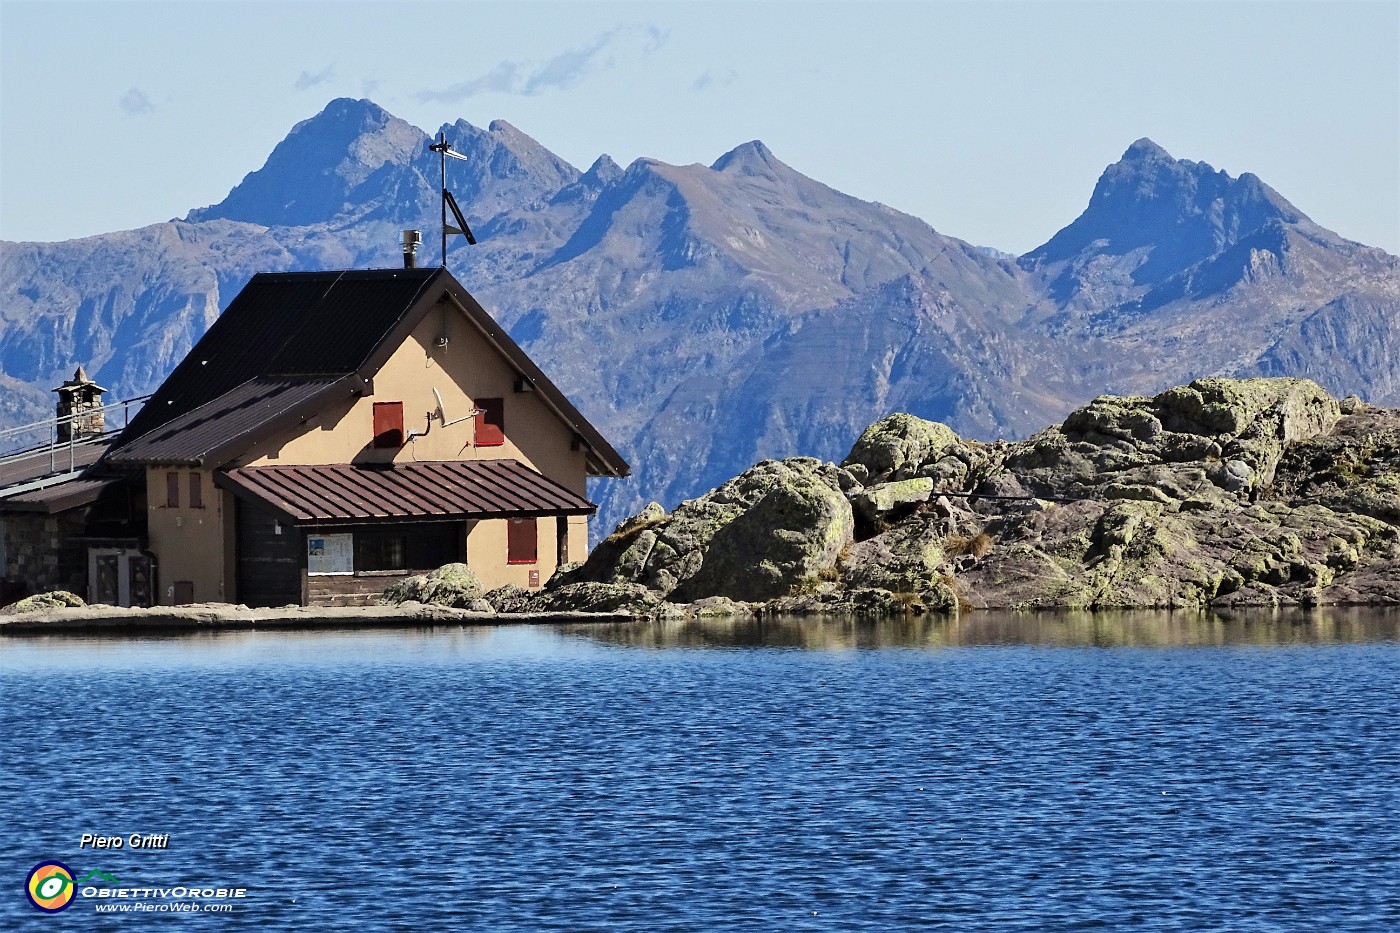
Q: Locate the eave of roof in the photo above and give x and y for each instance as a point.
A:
(60, 497)
(405, 492)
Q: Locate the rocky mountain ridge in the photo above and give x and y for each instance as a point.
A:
(705, 317)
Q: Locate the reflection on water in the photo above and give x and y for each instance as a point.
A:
(484, 643)
(1349, 625)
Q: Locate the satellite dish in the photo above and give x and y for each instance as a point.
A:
(441, 415)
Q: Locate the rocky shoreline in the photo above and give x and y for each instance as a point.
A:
(111, 620)
(1221, 493)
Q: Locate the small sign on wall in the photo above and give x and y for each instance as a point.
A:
(534, 578)
(330, 554)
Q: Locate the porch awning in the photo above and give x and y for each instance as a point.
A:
(403, 492)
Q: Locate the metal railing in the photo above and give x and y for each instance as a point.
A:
(31, 451)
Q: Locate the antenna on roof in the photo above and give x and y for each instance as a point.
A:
(444, 149)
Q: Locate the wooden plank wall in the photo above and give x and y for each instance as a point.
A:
(430, 545)
(270, 565)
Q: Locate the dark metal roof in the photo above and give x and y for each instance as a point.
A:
(322, 325)
(419, 491)
(229, 423)
(286, 324)
(60, 497)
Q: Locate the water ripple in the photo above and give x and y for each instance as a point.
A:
(603, 778)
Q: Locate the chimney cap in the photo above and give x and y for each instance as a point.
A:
(411, 240)
(80, 380)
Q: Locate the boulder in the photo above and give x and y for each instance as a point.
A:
(598, 597)
(511, 598)
(43, 602)
(898, 446)
(908, 558)
(751, 539)
(893, 499)
(453, 585)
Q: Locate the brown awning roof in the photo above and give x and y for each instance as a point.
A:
(419, 491)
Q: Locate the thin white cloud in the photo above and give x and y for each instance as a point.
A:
(135, 102)
(562, 71)
(309, 79)
(709, 79)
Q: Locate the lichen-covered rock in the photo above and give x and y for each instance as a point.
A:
(718, 607)
(1228, 432)
(750, 539)
(865, 601)
(1226, 492)
(453, 585)
(562, 574)
(907, 558)
(511, 598)
(897, 446)
(44, 602)
(892, 499)
(597, 597)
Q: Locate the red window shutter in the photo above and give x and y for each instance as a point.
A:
(196, 491)
(388, 424)
(522, 541)
(172, 490)
(491, 422)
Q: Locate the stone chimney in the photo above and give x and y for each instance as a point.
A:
(80, 408)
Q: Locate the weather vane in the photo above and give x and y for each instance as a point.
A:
(444, 149)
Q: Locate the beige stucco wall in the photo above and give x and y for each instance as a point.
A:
(199, 544)
(189, 543)
(486, 554)
(466, 369)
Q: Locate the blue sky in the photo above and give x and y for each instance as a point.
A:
(989, 120)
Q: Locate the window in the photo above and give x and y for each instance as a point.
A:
(172, 490)
(379, 550)
(196, 491)
(561, 535)
(491, 422)
(388, 424)
(522, 541)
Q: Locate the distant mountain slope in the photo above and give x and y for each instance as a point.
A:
(707, 316)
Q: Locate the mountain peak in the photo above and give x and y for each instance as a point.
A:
(603, 171)
(1143, 149)
(503, 153)
(1163, 215)
(749, 156)
(311, 173)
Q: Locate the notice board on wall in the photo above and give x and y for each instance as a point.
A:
(330, 554)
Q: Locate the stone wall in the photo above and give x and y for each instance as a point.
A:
(39, 555)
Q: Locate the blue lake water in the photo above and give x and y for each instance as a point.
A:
(1140, 772)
